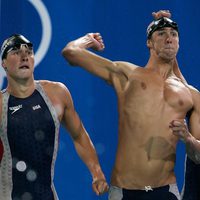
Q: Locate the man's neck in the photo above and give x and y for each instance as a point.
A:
(163, 67)
(22, 89)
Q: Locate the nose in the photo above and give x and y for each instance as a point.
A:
(24, 56)
(169, 38)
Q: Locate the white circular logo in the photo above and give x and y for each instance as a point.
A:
(45, 39)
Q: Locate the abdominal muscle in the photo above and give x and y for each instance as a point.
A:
(137, 171)
(145, 155)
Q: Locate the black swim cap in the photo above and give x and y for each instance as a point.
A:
(14, 42)
(160, 23)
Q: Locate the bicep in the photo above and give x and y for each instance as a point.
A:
(71, 119)
(89, 61)
(194, 115)
(95, 64)
(194, 124)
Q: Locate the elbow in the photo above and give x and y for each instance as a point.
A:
(69, 54)
(66, 51)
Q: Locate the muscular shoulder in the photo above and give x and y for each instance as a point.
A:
(125, 68)
(195, 97)
(54, 87)
(193, 89)
(56, 91)
(59, 95)
(195, 93)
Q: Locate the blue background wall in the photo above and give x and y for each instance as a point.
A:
(123, 27)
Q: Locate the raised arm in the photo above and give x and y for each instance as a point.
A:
(76, 53)
(83, 143)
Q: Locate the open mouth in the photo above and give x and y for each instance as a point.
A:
(169, 49)
(24, 67)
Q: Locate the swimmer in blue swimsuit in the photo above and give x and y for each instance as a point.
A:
(31, 113)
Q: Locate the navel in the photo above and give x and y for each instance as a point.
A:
(143, 85)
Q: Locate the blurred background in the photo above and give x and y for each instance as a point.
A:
(51, 24)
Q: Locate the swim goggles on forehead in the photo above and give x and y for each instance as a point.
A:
(15, 42)
(160, 23)
(19, 46)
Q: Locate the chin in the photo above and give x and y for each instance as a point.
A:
(168, 56)
(24, 77)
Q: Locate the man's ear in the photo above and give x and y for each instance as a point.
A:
(149, 44)
(3, 65)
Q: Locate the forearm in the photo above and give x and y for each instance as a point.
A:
(76, 54)
(87, 153)
(83, 42)
(180, 130)
(79, 56)
(77, 47)
(193, 149)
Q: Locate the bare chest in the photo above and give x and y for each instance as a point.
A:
(150, 92)
(177, 95)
